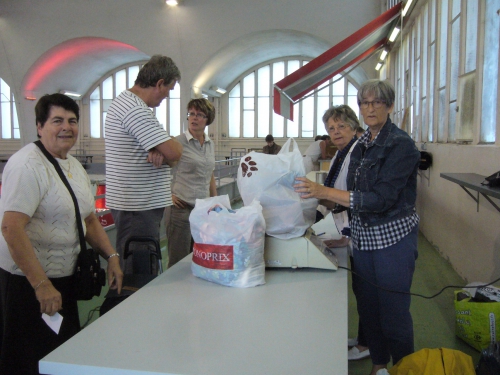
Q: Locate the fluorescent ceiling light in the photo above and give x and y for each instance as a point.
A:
(172, 3)
(218, 89)
(379, 65)
(383, 55)
(394, 34)
(71, 94)
(407, 6)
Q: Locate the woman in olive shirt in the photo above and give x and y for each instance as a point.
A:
(193, 178)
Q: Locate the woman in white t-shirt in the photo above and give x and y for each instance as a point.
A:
(343, 127)
(39, 244)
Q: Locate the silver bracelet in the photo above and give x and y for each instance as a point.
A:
(113, 255)
(40, 283)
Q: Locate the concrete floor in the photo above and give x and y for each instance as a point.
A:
(433, 319)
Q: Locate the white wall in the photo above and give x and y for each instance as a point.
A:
(470, 240)
(192, 34)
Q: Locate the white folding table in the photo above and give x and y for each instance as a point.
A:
(178, 324)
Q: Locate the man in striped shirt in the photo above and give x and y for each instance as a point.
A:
(139, 153)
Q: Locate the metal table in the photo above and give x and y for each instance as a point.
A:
(473, 181)
(178, 324)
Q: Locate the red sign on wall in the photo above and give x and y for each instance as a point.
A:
(217, 257)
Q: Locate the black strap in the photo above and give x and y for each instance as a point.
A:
(59, 171)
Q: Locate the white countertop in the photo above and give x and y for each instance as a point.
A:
(178, 324)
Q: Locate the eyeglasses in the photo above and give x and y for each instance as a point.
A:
(339, 128)
(197, 115)
(377, 103)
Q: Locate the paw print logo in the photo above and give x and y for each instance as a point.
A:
(248, 166)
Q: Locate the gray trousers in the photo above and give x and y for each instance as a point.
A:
(135, 223)
(180, 242)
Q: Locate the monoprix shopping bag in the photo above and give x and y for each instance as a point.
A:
(477, 323)
(228, 244)
(270, 180)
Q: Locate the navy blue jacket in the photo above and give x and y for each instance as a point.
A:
(383, 177)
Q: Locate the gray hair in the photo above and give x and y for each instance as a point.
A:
(158, 67)
(383, 90)
(344, 113)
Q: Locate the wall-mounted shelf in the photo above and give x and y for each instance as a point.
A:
(473, 181)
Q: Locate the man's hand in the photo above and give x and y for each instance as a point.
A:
(156, 158)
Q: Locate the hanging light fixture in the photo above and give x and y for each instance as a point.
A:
(218, 90)
(407, 7)
(73, 95)
(394, 34)
(383, 55)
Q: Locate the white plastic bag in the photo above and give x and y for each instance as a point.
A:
(270, 180)
(229, 244)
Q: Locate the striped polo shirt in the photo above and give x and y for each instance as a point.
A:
(131, 130)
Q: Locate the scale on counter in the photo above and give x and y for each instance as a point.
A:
(307, 251)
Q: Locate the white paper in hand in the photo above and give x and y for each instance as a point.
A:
(54, 322)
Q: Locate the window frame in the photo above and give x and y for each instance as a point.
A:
(85, 119)
(317, 126)
(432, 122)
(13, 126)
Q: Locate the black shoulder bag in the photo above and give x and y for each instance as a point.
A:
(89, 276)
(493, 180)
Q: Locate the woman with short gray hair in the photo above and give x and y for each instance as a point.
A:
(381, 194)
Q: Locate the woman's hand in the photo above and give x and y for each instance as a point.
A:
(308, 189)
(115, 274)
(49, 297)
(332, 244)
(99, 240)
(179, 203)
(328, 196)
(23, 254)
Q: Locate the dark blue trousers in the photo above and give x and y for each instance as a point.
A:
(387, 322)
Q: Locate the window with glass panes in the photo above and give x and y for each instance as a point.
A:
(9, 123)
(456, 72)
(251, 113)
(489, 110)
(168, 113)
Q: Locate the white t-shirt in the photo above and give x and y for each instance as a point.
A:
(314, 150)
(31, 185)
(133, 184)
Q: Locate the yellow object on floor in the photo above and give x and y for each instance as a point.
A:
(439, 361)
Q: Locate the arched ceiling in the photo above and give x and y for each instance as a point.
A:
(253, 49)
(76, 64)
